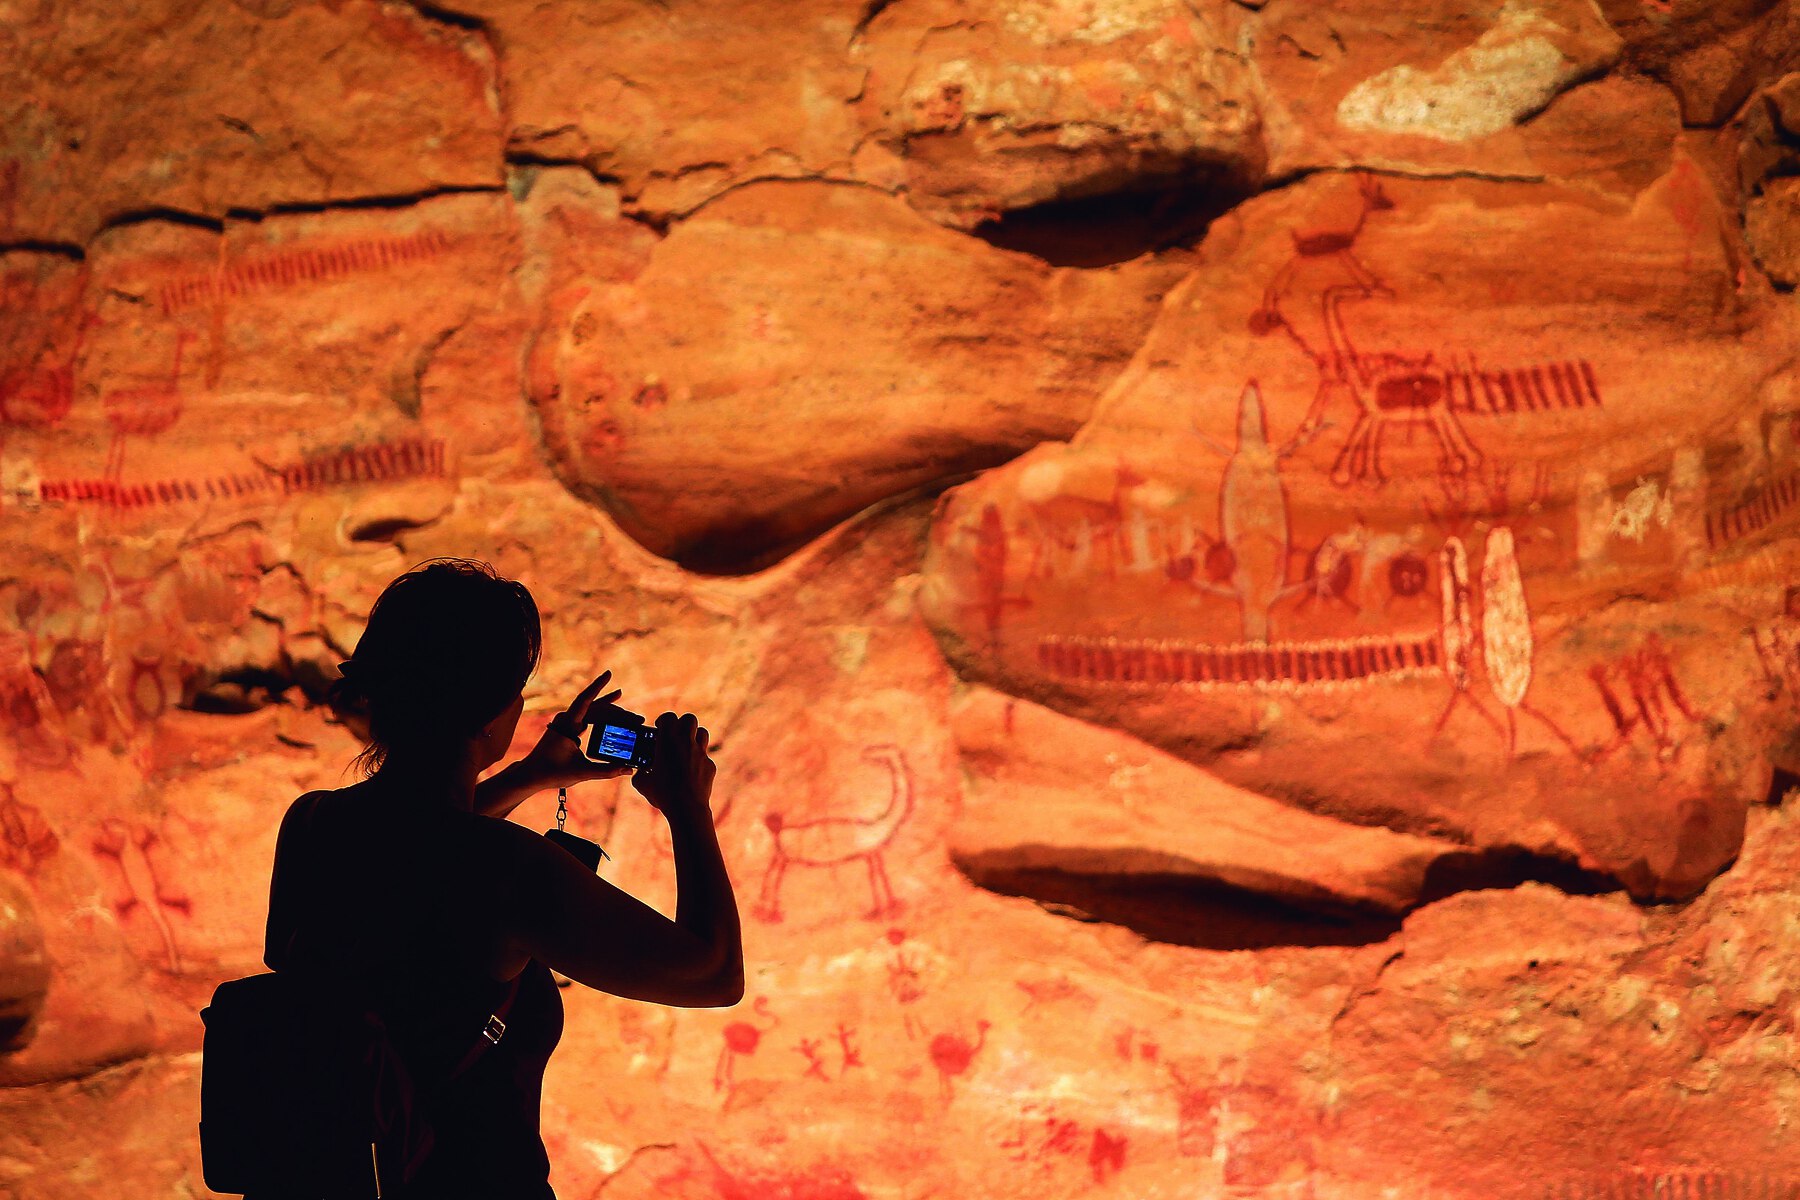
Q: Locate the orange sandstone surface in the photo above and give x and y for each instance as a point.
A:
(1241, 555)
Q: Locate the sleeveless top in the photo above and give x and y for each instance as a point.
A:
(372, 889)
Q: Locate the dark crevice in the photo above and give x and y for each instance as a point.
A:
(1209, 914)
(520, 156)
(252, 687)
(401, 200)
(216, 224)
(383, 529)
(871, 10)
(658, 223)
(1489, 870)
(1183, 910)
(758, 544)
(1299, 175)
(1099, 231)
(451, 17)
(17, 1027)
(170, 216)
(1164, 214)
(238, 691)
(33, 246)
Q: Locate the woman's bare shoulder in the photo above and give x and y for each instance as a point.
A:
(322, 798)
(514, 842)
(302, 807)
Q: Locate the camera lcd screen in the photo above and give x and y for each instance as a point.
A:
(616, 741)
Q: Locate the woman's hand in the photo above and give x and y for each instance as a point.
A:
(680, 779)
(558, 760)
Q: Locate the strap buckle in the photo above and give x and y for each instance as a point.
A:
(494, 1030)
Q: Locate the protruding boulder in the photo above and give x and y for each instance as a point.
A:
(1054, 808)
(1398, 521)
(994, 107)
(797, 351)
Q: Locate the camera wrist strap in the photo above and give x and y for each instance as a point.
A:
(562, 817)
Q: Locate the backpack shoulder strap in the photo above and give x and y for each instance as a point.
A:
(290, 891)
(491, 1032)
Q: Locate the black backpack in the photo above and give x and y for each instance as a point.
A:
(302, 1092)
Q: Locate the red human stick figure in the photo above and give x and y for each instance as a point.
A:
(905, 983)
(1648, 674)
(128, 846)
(742, 1038)
(852, 1057)
(991, 600)
(1459, 635)
(1508, 647)
(815, 1062)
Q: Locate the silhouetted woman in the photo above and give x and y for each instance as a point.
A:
(412, 883)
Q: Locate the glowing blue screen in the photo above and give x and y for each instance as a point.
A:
(616, 741)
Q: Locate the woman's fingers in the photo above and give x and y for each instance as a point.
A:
(605, 700)
(573, 719)
(587, 698)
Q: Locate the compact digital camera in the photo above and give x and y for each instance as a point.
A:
(621, 737)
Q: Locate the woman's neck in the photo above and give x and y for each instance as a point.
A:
(451, 786)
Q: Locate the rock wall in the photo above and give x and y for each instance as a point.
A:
(1242, 556)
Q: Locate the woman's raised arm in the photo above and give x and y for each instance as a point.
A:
(578, 924)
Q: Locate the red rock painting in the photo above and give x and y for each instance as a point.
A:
(1240, 557)
(1309, 554)
(838, 841)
